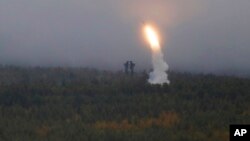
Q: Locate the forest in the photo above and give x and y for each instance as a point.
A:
(83, 104)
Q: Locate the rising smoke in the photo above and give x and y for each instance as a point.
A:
(158, 75)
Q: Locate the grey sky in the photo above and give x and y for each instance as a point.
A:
(199, 35)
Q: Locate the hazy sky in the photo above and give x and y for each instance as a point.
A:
(198, 35)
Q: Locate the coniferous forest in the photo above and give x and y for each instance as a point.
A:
(80, 104)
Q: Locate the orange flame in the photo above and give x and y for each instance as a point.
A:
(152, 37)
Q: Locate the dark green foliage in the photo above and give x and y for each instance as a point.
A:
(53, 104)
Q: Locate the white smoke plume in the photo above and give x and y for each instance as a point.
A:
(158, 75)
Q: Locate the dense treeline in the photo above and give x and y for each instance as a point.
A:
(38, 104)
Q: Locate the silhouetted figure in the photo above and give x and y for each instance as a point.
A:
(131, 67)
(126, 65)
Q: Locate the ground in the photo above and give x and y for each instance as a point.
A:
(38, 104)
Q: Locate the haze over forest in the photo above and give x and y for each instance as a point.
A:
(198, 35)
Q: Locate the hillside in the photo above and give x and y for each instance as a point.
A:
(79, 104)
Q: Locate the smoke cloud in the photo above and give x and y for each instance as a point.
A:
(158, 75)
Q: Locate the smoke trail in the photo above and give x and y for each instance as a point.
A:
(158, 75)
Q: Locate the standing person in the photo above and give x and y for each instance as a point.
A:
(126, 65)
(131, 66)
